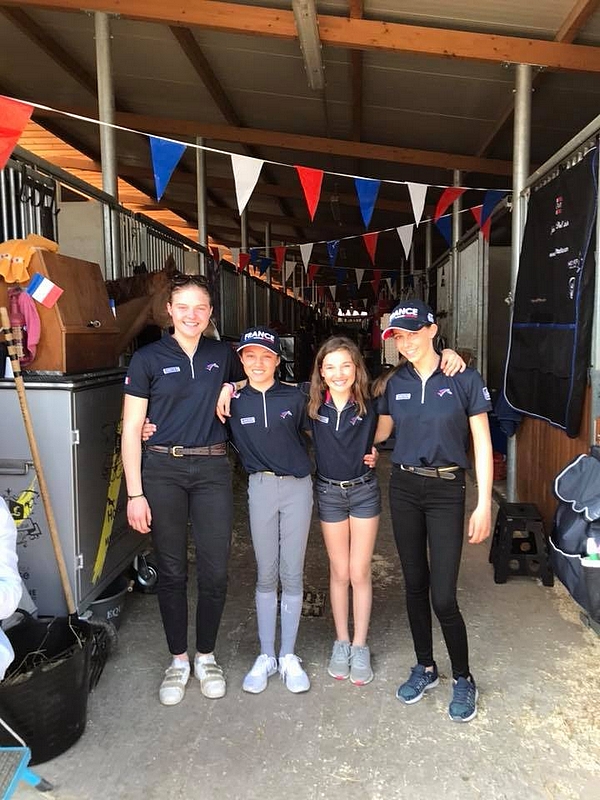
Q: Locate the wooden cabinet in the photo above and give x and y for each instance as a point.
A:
(79, 333)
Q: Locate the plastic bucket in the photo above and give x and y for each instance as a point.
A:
(110, 604)
(44, 694)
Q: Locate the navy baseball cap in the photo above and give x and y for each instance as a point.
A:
(412, 315)
(260, 337)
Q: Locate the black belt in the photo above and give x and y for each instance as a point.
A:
(178, 450)
(445, 473)
(347, 484)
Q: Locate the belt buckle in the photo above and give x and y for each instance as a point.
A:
(345, 484)
(177, 451)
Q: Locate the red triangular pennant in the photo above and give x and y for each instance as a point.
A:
(311, 180)
(279, 255)
(370, 240)
(14, 116)
(312, 271)
(244, 261)
(449, 195)
(485, 230)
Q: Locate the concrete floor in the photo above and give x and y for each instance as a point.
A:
(536, 736)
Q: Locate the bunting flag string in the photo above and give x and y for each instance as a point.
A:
(14, 116)
(370, 240)
(418, 192)
(405, 232)
(246, 172)
(332, 251)
(311, 181)
(305, 252)
(244, 262)
(165, 156)
(279, 255)
(367, 190)
(447, 198)
(359, 276)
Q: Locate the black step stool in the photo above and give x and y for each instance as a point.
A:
(519, 544)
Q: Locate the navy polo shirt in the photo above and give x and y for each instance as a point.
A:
(431, 418)
(266, 429)
(341, 439)
(181, 391)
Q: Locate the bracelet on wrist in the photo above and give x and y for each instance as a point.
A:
(133, 496)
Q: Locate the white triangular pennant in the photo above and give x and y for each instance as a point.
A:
(235, 255)
(365, 301)
(305, 252)
(417, 193)
(405, 232)
(332, 290)
(389, 283)
(359, 277)
(288, 269)
(246, 172)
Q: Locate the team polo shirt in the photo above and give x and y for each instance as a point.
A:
(432, 417)
(266, 429)
(341, 439)
(181, 391)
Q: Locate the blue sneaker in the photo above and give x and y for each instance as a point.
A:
(463, 706)
(420, 681)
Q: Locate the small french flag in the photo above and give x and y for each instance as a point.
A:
(43, 290)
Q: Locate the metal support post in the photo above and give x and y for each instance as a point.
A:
(201, 200)
(455, 284)
(521, 140)
(108, 151)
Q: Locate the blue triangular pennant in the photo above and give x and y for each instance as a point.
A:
(165, 157)
(332, 250)
(254, 258)
(444, 226)
(340, 275)
(367, 190)
(490, 201)
(265, 263)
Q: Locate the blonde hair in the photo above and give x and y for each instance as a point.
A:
(360, 388)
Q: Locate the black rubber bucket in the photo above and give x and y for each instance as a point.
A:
(44, 694)
(111, 603)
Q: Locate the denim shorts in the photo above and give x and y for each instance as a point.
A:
(336, 503)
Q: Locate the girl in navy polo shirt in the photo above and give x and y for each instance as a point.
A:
(185, 474)
(434, 417)
(267, 420)
(343, 421)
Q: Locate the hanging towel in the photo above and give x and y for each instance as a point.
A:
(15, 255)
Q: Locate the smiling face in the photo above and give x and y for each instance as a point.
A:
(338, 370)
(416, 346)
(259, 365)
(190, 311)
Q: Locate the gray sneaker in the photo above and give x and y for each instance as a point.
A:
(339, 663)
(360, 665)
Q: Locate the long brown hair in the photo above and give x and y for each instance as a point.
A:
(360, 389)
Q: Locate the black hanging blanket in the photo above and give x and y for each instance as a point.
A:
(550, 339)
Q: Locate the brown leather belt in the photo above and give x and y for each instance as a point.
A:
(178, 450)
(445, 473)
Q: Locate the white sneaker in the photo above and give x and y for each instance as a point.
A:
(292, 673)
(210, 675)
(172, 689)
(256, 680)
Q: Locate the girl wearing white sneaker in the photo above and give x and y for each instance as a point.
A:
(184, 474)
(267, 421)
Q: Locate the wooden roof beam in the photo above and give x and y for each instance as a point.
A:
(572, 24)
(353, 33)
(300, 142)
